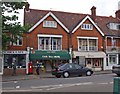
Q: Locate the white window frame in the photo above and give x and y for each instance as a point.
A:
(112, 56)
(87, 26)
(51, 24)
(113, 41)
(114, 26)
(49, 36)
(87, 38)
(17, 42)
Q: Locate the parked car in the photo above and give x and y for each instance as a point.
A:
(116, 69)
(71, 69)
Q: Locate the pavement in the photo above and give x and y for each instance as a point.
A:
(7, 78)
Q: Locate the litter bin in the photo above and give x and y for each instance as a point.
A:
(116, 87)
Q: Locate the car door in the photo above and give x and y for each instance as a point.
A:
(71, 69)
(78, 69)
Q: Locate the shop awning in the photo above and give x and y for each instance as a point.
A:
(50, 55)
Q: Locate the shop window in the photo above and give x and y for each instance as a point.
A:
(18, 60)
(89, 63)
(97, 63)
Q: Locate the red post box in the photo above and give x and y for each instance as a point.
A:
(30, 68)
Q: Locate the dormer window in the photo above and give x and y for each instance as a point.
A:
(114, 26)
(50, 24)
(87, 26)
(118, 27)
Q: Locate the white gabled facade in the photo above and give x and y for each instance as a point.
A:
(88, 17)
(47, 15)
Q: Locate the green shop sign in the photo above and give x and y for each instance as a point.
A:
(50, 55)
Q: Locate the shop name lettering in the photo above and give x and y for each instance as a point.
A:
(50, 56)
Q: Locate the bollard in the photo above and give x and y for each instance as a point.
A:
(116, 87)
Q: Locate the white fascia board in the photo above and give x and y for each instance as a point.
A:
(79, 24)
(87, 17)
(43, 35)
(87, 37)
(39, 22)
(50, 13)
(58, 21)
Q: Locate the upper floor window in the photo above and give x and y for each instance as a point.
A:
(51, 24)
(47, 42)
(19, 41)
(113, 42)
(87, 26)
(114, 26)
(87, 44)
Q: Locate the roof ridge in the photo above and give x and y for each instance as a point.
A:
(59, 11)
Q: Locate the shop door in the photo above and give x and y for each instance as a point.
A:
(48, 66)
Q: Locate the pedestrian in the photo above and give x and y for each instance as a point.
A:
(38, 68)
(14, 69)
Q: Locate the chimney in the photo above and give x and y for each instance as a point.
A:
(117, 14)
(93, 12)
(118, 11)
(27, 7)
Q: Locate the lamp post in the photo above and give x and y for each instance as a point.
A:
(70, 52)
(29, 50)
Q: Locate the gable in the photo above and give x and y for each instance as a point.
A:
(88, 18)
(47, 15)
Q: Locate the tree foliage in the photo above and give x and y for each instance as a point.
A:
(10, 27)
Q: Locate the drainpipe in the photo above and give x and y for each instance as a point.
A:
(29, 50)
(70, 52)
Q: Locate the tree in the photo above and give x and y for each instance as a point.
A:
(10, 27)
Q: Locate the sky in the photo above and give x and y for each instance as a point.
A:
(103, 7)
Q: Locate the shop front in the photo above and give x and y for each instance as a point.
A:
(49, 59)
(18, 58)
(111, 59)
(93, 60)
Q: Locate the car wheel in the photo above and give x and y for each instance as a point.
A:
(66, 74)
(88, 73)
(58, 76)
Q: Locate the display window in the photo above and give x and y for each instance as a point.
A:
(18, 59)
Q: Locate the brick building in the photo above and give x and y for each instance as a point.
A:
(58, 37)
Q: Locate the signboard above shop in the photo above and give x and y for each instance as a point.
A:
(47, 55)
(14, 52)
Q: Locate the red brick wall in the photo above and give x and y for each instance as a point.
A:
(118, 42)
(10, 71)
(109, 41)
(31, 39)
(86, 33)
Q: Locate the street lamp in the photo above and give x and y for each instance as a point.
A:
(29, 50)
